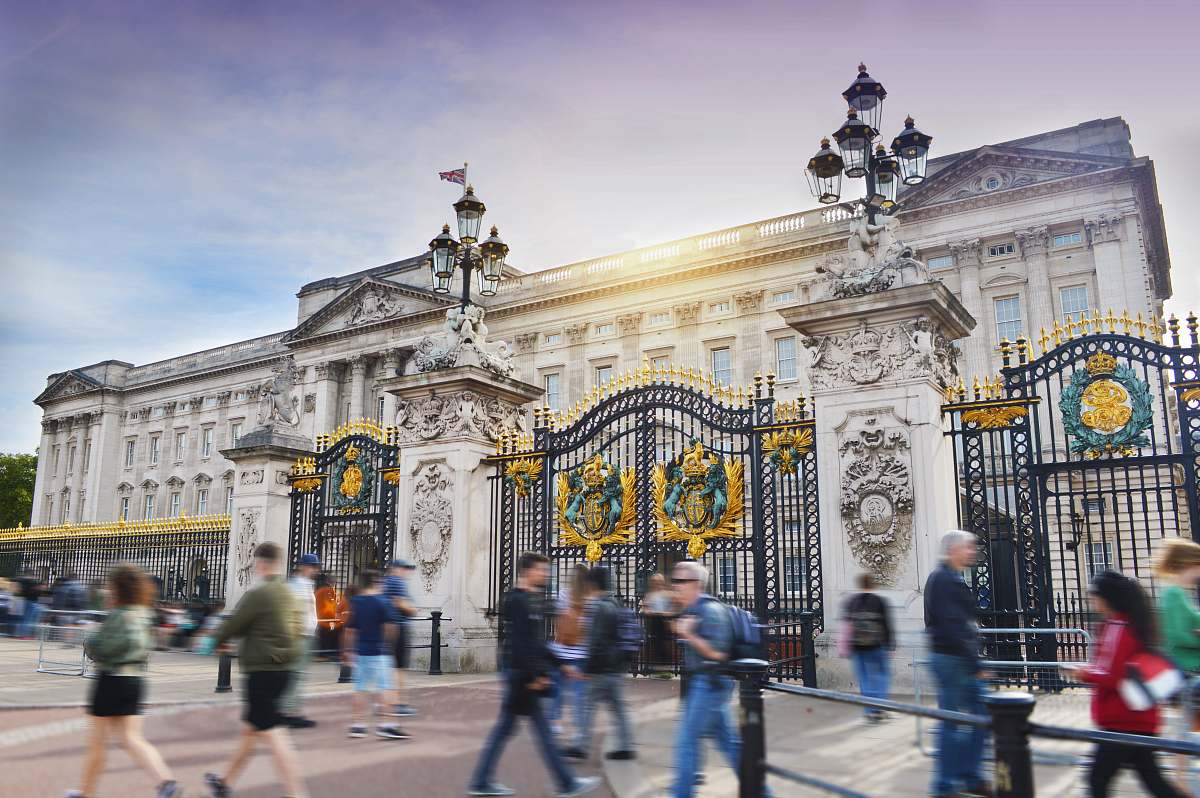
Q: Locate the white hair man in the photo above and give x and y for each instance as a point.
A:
(950, 623)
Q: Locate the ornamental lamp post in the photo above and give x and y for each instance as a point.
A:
(485, 259)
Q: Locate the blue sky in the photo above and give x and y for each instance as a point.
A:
(170, 174)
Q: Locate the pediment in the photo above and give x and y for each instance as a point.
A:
(991, 170)
(69, 383)
(369, 301)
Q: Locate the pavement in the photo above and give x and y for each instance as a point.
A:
(42, 739)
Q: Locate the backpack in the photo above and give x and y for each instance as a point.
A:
(866, 627)
(746, 640)
(629, 632)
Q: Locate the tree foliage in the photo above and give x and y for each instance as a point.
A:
(17, 475)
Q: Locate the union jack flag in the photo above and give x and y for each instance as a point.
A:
(455, 176)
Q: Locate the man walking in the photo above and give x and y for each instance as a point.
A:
(705, 628)
(604, 670)
(526, 665)
(269, 624)
(301, 585)
(367, 638)
(950, 623)
(395, 589)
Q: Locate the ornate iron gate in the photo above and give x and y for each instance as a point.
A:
(1074, 461)
(344, 501)
(661, 465)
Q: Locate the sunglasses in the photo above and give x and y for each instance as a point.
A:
(682, 580)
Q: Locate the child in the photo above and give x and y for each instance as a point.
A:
(120, 649)
(1178, 565)
(1128, 629)
(367, 639)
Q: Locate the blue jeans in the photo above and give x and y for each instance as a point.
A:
(504, 728)
(960, 748)
(29, 620)
(568, 694)
(609, 688)
(873, 671)
(705, 714)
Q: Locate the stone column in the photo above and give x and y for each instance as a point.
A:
(327, 396)
(686, 317)
(389, 367)
(877, 364)
(526, 347)
(576, 378)
(629, 325)
(1104, 238)
(749, 358)
(261, 502)
(43, 481)
(968, 257)
(358, 381)
(1039, 297)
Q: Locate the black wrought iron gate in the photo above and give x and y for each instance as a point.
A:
(1077, 460)
(344, 501)
(662, 465)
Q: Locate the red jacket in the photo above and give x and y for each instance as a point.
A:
(1116, 644)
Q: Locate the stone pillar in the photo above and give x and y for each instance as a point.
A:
(576, 378)
(262, 460)
(358, 381)
(877, 364)
(1039, 296)
(1104, 237)
(629, 325)
(968, 257)
(749, 357)
(327, 396)
(389, 367)
(42, 481)
(447, 426)
(688, 355)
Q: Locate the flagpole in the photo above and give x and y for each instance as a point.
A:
(465, 181)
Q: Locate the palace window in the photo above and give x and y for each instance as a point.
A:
(229, 500)
(55, 471)
(130, 452)
(603, 374)
(553, 338)
(785, 358)
(48, 508)
(783, 297)
(82, 503)
(176, 504)
(71, 459)
(202, 501)
(124, 514)
(87, 455)
(378, 414)
(726, 574)
(1001, 250)
(180, 446)
(793, 574)
(940, 262)
(65, 511)
(1099, 557)
(1073, 299)
(1094, 506)
(722, 365)
(153, 450)
(235, 429)
(1008, 318)
(1068, 239)
(551, 383)
(607, 328)
(206, 442)
(148, 509)
(660, 317)
(158, 412)
(719, 307)
(660, 362)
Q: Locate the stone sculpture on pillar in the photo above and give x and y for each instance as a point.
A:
(278, 403)
(463, 342)
(875, 260)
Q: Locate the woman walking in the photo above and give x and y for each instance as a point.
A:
(120, 648)
(570, 648)
(867, 630)
(1128, 629)
(658, 607)
(1178, 565)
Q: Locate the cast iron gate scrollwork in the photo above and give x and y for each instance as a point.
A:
(344, 501)
(661, 465)
(1079, 459)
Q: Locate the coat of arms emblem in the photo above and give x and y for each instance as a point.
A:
(596, 506)
(698, 496)
(1106, 408)
(352, 478)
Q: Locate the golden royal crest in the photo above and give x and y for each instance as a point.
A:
(697, 497)
(1108, 409)
(597, 505)
(352, 479)
(521, 474)
(785, 447)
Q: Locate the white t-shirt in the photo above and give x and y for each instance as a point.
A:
(302, 589)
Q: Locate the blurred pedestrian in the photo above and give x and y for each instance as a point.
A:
(526, 667)
(269, 623)
(705, 628)
(1178, 565)
(301, 585)
(1128, 630)
(867, 640)
(6, 604)
(32, 589)
(950, 623)
(570, 649)
(367, 644)
(398, 594)
(658, 608)
(120, 648)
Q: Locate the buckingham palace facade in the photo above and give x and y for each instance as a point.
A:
(1025, 233)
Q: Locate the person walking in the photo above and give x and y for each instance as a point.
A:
(950, 624)
(120, 648)
(1178, 565)
(604, 670)
(867, 628)
(31, 594)
(569, 647)
(1128, 629)
(526, 664)
(270, 627)
(397, 592)
(302, 587)
(366, 645)
(705, 628)
(658, 608)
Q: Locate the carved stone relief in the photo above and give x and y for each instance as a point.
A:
(575, 333)
(247, 540)
(526, 342)
(1103, 228)
(431, 521)
(967, 252)
(629, 323)
(687, 313)
(461, 413)
(749, 301)
(876, 492)
(1033, 240)
(875, 260)
(462, 342)
(278, 404)
(254, 477)
(373, 304)
(867, 355)
(310, 403)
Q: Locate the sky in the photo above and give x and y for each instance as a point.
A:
(172, 173)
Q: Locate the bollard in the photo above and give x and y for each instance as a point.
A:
(752, 775)
(224, 671)
(1010, 726)
(435, 643)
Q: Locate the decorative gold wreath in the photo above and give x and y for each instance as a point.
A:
(521, 474)
(729, 526)
(623, 531)
(786, 446)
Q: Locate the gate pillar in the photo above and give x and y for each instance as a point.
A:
(447, 423)
(262, 461)
(877, 365)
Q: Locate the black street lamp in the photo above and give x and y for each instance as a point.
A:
(485, 260)
(863, 156)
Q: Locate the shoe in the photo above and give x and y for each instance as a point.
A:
(169, 789)
(216, 785)
(297, 722)
(402, 711)
(70, 793)
(699, 780)
(621, 755)
(390, 732)
(574, 753)
(357, 730)
(582, 786)
(491, 789)
(980, 790)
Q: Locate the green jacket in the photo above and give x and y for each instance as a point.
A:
(122, 643)
(269, 622)
(1181, 627)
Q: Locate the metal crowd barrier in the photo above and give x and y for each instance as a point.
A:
(67, 635)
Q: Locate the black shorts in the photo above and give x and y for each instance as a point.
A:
(116, 696)
(400, 650)
(263, 691)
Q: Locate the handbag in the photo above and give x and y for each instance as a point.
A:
(1149, 680)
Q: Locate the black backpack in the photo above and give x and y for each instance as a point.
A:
(866, 624)
(747, 639)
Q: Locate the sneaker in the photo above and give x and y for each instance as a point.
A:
(297, 722)
(216, 785)
(574, 753)
(491, 789)
(980, 790)
(402, 711)
(169, 789)
(357, 730)
(621, 755)
(390, 732)
(699, 780)
(582, 786)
